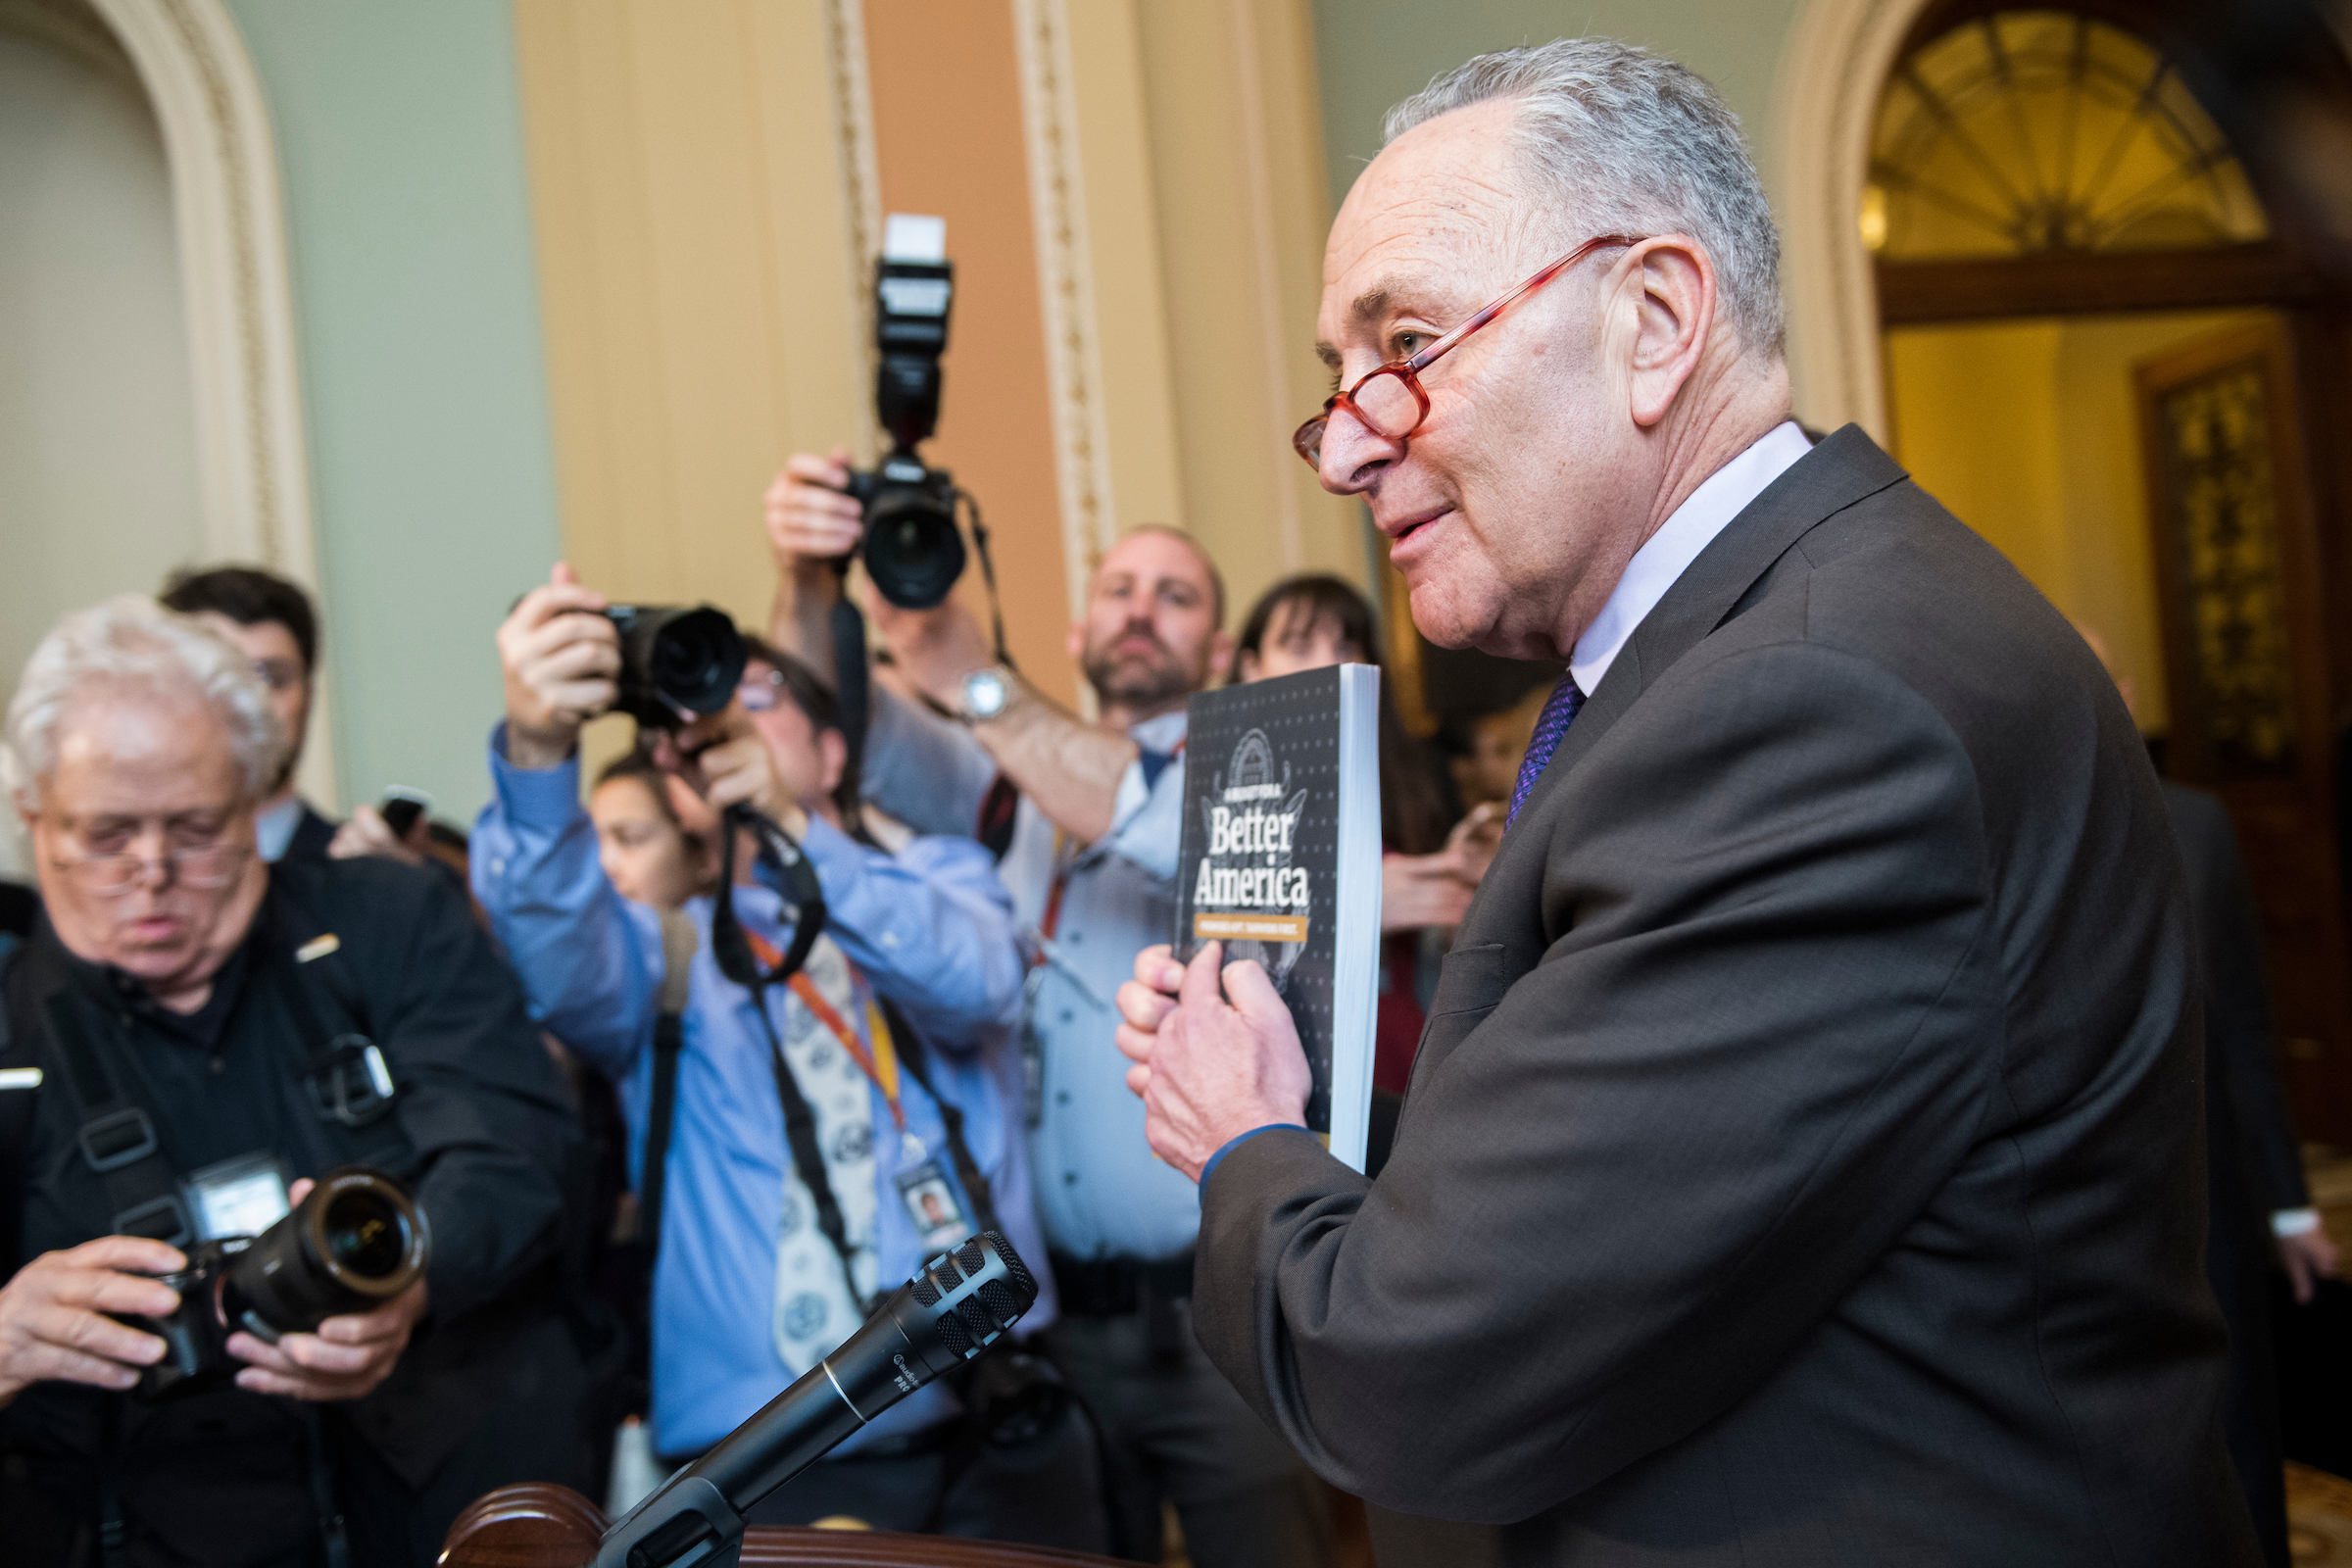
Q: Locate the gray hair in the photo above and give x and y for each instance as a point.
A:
(132, 641)
(1627, 141)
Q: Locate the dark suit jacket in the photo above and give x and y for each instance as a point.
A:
(1804, 1163)
(312, 835)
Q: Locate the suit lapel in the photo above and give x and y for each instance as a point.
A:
(1844, 469)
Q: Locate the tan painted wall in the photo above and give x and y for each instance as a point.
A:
(2027, 430)
(695, 280)
(1237, 158)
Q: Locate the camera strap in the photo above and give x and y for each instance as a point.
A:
(801, 890)
(670, 1039)
(118, 1138)
(988, 578)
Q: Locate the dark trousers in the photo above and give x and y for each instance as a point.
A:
(1173, 1429)
(2238, 1264)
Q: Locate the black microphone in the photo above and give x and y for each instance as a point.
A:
(957, 1306)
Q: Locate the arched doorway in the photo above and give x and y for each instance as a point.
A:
(145, 298)
(2105, 343)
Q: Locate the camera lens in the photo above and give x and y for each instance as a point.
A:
(675, 663)
(364, 1235)
(355, 1242)
(914, 550)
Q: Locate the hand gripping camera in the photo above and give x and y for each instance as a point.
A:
(355, 1243)
(911, 549)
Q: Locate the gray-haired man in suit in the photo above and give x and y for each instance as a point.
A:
(1804, 1163)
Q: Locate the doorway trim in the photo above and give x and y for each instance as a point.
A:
(1825, 97)
(251, 459)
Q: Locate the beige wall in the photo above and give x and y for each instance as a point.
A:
(1237, 159)
(2029, 431)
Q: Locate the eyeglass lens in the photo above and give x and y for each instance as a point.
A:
(1382, 403)
(210, 865)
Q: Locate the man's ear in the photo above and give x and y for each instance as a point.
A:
(833, 754)
(1075, 644)
(1673, 317)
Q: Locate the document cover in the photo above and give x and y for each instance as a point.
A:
(1281, 862)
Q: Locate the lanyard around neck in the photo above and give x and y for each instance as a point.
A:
(879, 1062)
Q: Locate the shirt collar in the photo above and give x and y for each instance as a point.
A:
(1659, 564)
(273, 826)
(1163, 732)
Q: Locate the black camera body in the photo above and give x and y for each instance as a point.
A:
(352, 1243)
(677, 664)
(912, 547)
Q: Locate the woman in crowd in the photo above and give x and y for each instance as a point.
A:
(657, 839)
(1428, 873)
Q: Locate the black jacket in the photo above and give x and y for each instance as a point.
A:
(484, 1126)
(1803, 1161)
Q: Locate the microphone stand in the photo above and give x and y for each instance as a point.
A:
(954, 1309)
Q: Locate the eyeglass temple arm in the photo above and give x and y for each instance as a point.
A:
(1429, 355)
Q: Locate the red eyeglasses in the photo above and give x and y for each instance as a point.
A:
(1389, 401)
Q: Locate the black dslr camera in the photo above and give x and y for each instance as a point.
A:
(355, 1243)
(911, 549)
(676, 665)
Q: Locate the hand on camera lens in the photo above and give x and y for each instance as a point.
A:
(810, 524)
(562, 659)
(729, 762)
(345, 1359)
(53, 1322)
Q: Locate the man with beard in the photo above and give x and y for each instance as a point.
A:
(1085, 819)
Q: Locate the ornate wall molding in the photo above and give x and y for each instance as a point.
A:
(1825, 95)
(231, 218)
(1067, 286)
(860, 179)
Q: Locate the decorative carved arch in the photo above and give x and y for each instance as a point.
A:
(1825, 97)
(250, 456)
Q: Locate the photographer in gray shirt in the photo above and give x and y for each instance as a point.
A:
(1085, 819)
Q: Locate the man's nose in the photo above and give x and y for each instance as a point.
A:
(1353, 454)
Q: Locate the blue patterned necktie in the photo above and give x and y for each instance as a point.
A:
(1551, 727)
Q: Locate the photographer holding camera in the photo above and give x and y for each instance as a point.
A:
(802, 1136)
(191, 1040)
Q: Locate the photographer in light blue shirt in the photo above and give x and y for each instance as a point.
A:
(1086, 819)
(891, 1046)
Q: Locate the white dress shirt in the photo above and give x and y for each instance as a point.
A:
(1657, 564)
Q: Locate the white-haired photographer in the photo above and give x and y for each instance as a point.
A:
(191, 1036)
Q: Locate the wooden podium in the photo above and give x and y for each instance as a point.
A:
(555, 1527)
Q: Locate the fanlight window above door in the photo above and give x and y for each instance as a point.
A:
(2026, 132)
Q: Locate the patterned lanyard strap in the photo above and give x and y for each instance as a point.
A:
(880, 1061)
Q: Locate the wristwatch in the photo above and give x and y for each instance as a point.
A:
(987, 693)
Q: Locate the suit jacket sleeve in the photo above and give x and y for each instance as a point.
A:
(1765, 1024)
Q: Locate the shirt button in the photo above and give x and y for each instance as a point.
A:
(1066, 1016)
(1061, 1096)
(1069, 1178)
(219, 1066)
